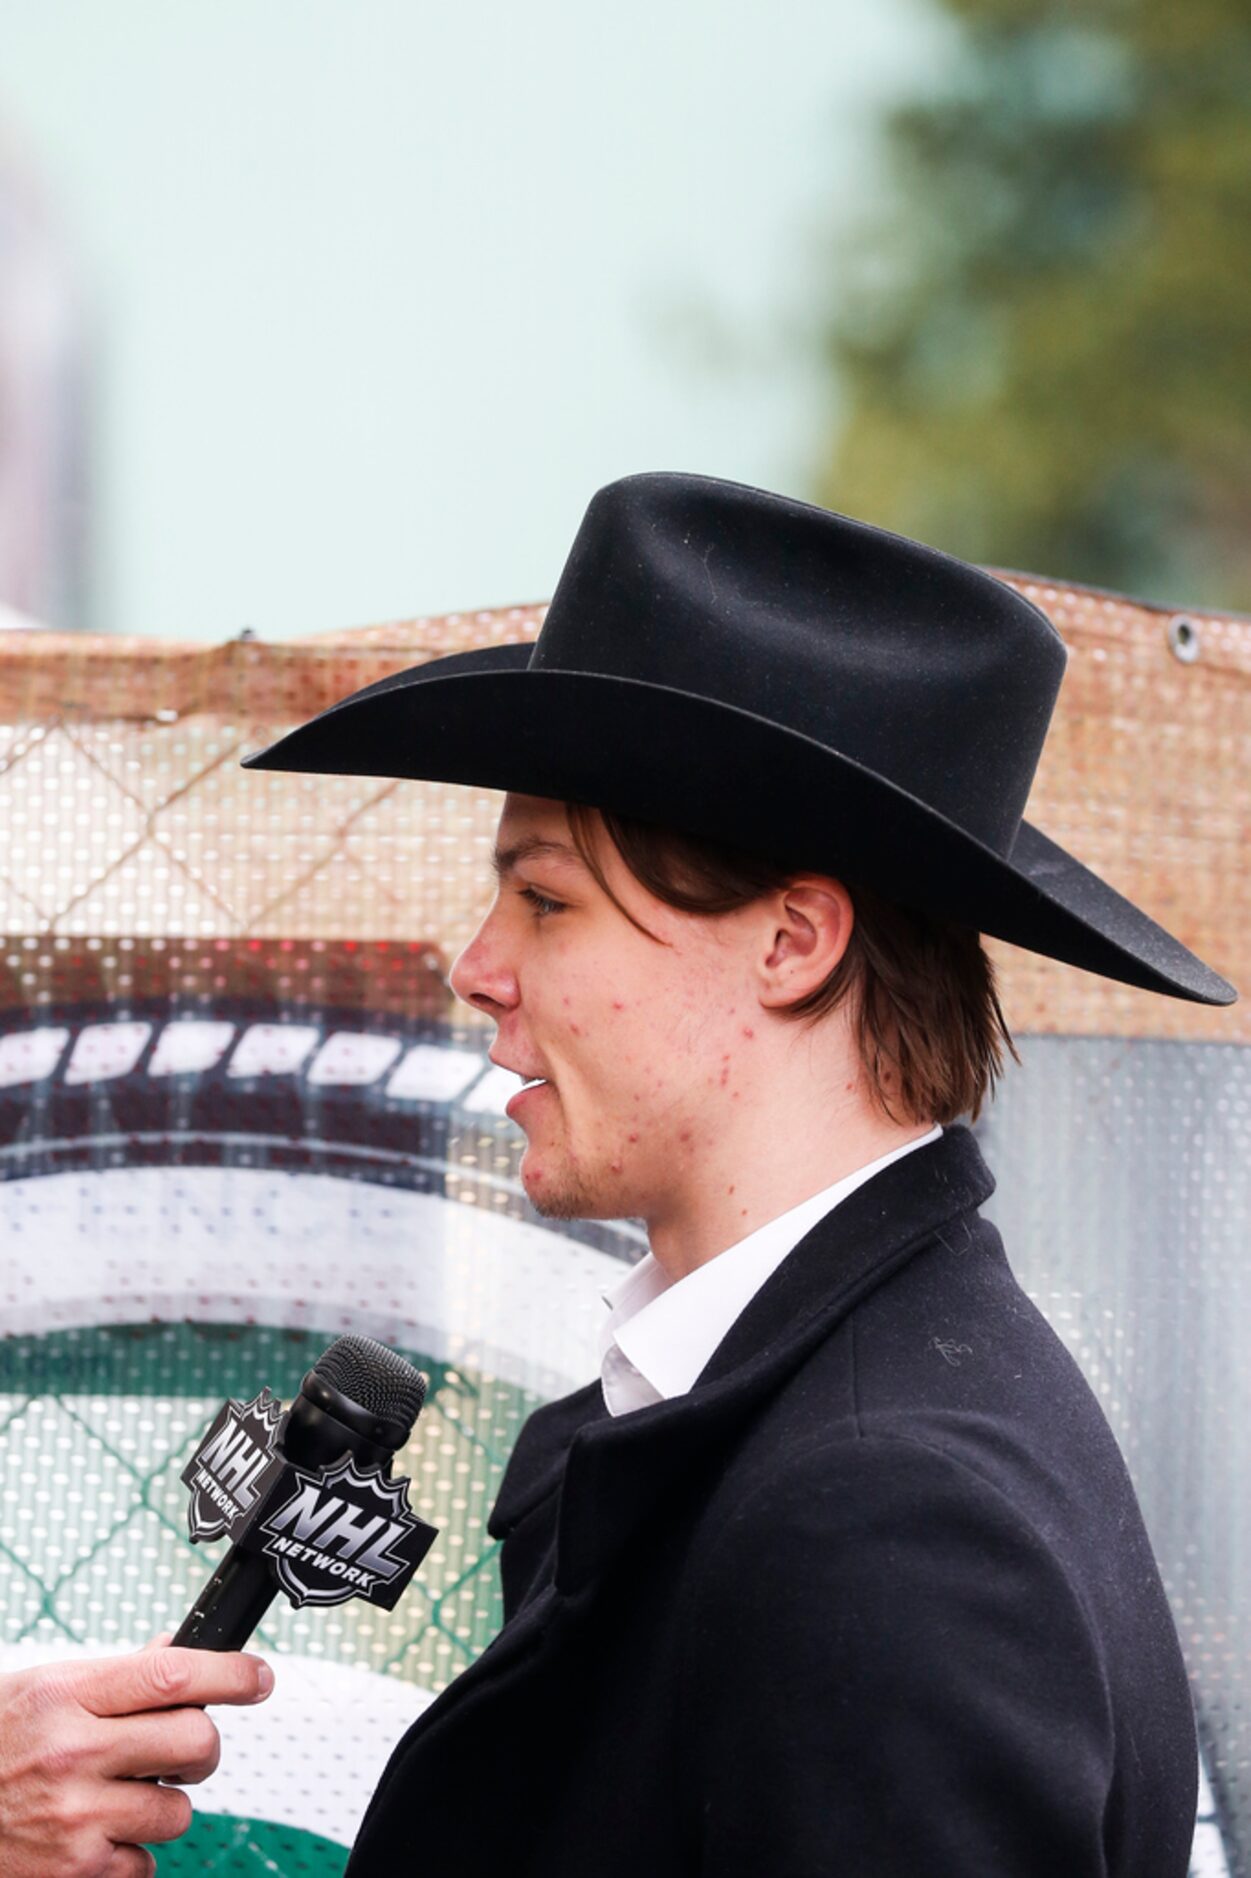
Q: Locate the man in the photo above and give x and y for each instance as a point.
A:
(836, 1568)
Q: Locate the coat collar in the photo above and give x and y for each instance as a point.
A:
(616, 1470)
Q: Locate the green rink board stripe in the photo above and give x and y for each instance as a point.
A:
(248, 1848)
(171, 1359)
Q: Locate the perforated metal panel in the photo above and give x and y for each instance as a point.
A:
(239, 1115)
(1124, 1199)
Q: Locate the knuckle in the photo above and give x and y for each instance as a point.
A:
(61, 1817)
(83, 1854)
(203, 1742)
(129, 1861)
(167, 1675)
(42, 1691)
(173, 1817)
(62, 1752)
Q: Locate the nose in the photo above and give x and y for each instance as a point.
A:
(482, 976)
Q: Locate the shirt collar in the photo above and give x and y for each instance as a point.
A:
(660, 1335)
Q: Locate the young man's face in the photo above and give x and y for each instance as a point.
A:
(644, 1048)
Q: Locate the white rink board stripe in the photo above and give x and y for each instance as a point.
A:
(352, 1059)
(28, 1056)
(190, 1046)
(103, 1052)
(430, 1073)
(272, 1050)
(297, 1250)
(111, 1048)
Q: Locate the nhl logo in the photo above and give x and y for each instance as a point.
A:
(234, 1464)
(344, 1533)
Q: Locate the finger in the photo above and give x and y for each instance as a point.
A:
(130, 1861)
(138, 1813)
(176, 1744)
(169, 1678)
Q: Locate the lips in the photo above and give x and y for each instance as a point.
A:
(532, 1079)
(527, 1074)
(523, 1095)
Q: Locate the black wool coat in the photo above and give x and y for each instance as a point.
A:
(874, 1598)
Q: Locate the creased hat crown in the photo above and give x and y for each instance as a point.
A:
(915, 665)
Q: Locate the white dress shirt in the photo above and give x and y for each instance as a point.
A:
(659, 1335)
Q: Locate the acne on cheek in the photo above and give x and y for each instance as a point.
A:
(724, 1074)
(576, 1029)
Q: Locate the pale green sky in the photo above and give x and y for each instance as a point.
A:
(381, 293)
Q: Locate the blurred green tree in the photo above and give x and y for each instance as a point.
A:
(1043, 341)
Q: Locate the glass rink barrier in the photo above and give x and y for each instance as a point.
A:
(240, 1115)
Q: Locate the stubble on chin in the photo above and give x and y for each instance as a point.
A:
(565, 1195)
(566, 1205)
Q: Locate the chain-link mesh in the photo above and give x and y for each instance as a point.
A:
(239, 1115)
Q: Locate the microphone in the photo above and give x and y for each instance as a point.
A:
(307, 1498)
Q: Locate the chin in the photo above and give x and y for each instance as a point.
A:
(560, 1206)
(567, 1196)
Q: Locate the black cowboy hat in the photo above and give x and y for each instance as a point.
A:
(769, 675)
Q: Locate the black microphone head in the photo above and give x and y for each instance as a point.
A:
(364, 1387)
(377, 1379)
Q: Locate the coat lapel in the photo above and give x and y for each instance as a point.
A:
(617, 1470)
(611, 1473)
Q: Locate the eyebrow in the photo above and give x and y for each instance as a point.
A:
(506, 860)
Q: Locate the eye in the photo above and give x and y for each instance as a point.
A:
(541, 904)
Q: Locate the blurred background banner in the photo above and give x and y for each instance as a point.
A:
(307, 321)
(1041, 324)
(240, 1115)
(44, 405)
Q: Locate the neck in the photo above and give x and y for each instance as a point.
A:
(759, 1165)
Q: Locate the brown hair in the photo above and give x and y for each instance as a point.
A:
(927, 1015)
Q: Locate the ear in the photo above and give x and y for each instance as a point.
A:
(810, 923)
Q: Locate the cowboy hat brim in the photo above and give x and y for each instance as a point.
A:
(487, 718)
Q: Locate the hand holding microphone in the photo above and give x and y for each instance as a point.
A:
(82, 1744)
(310, 1506)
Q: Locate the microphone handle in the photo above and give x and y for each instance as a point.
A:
(230, 1606)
